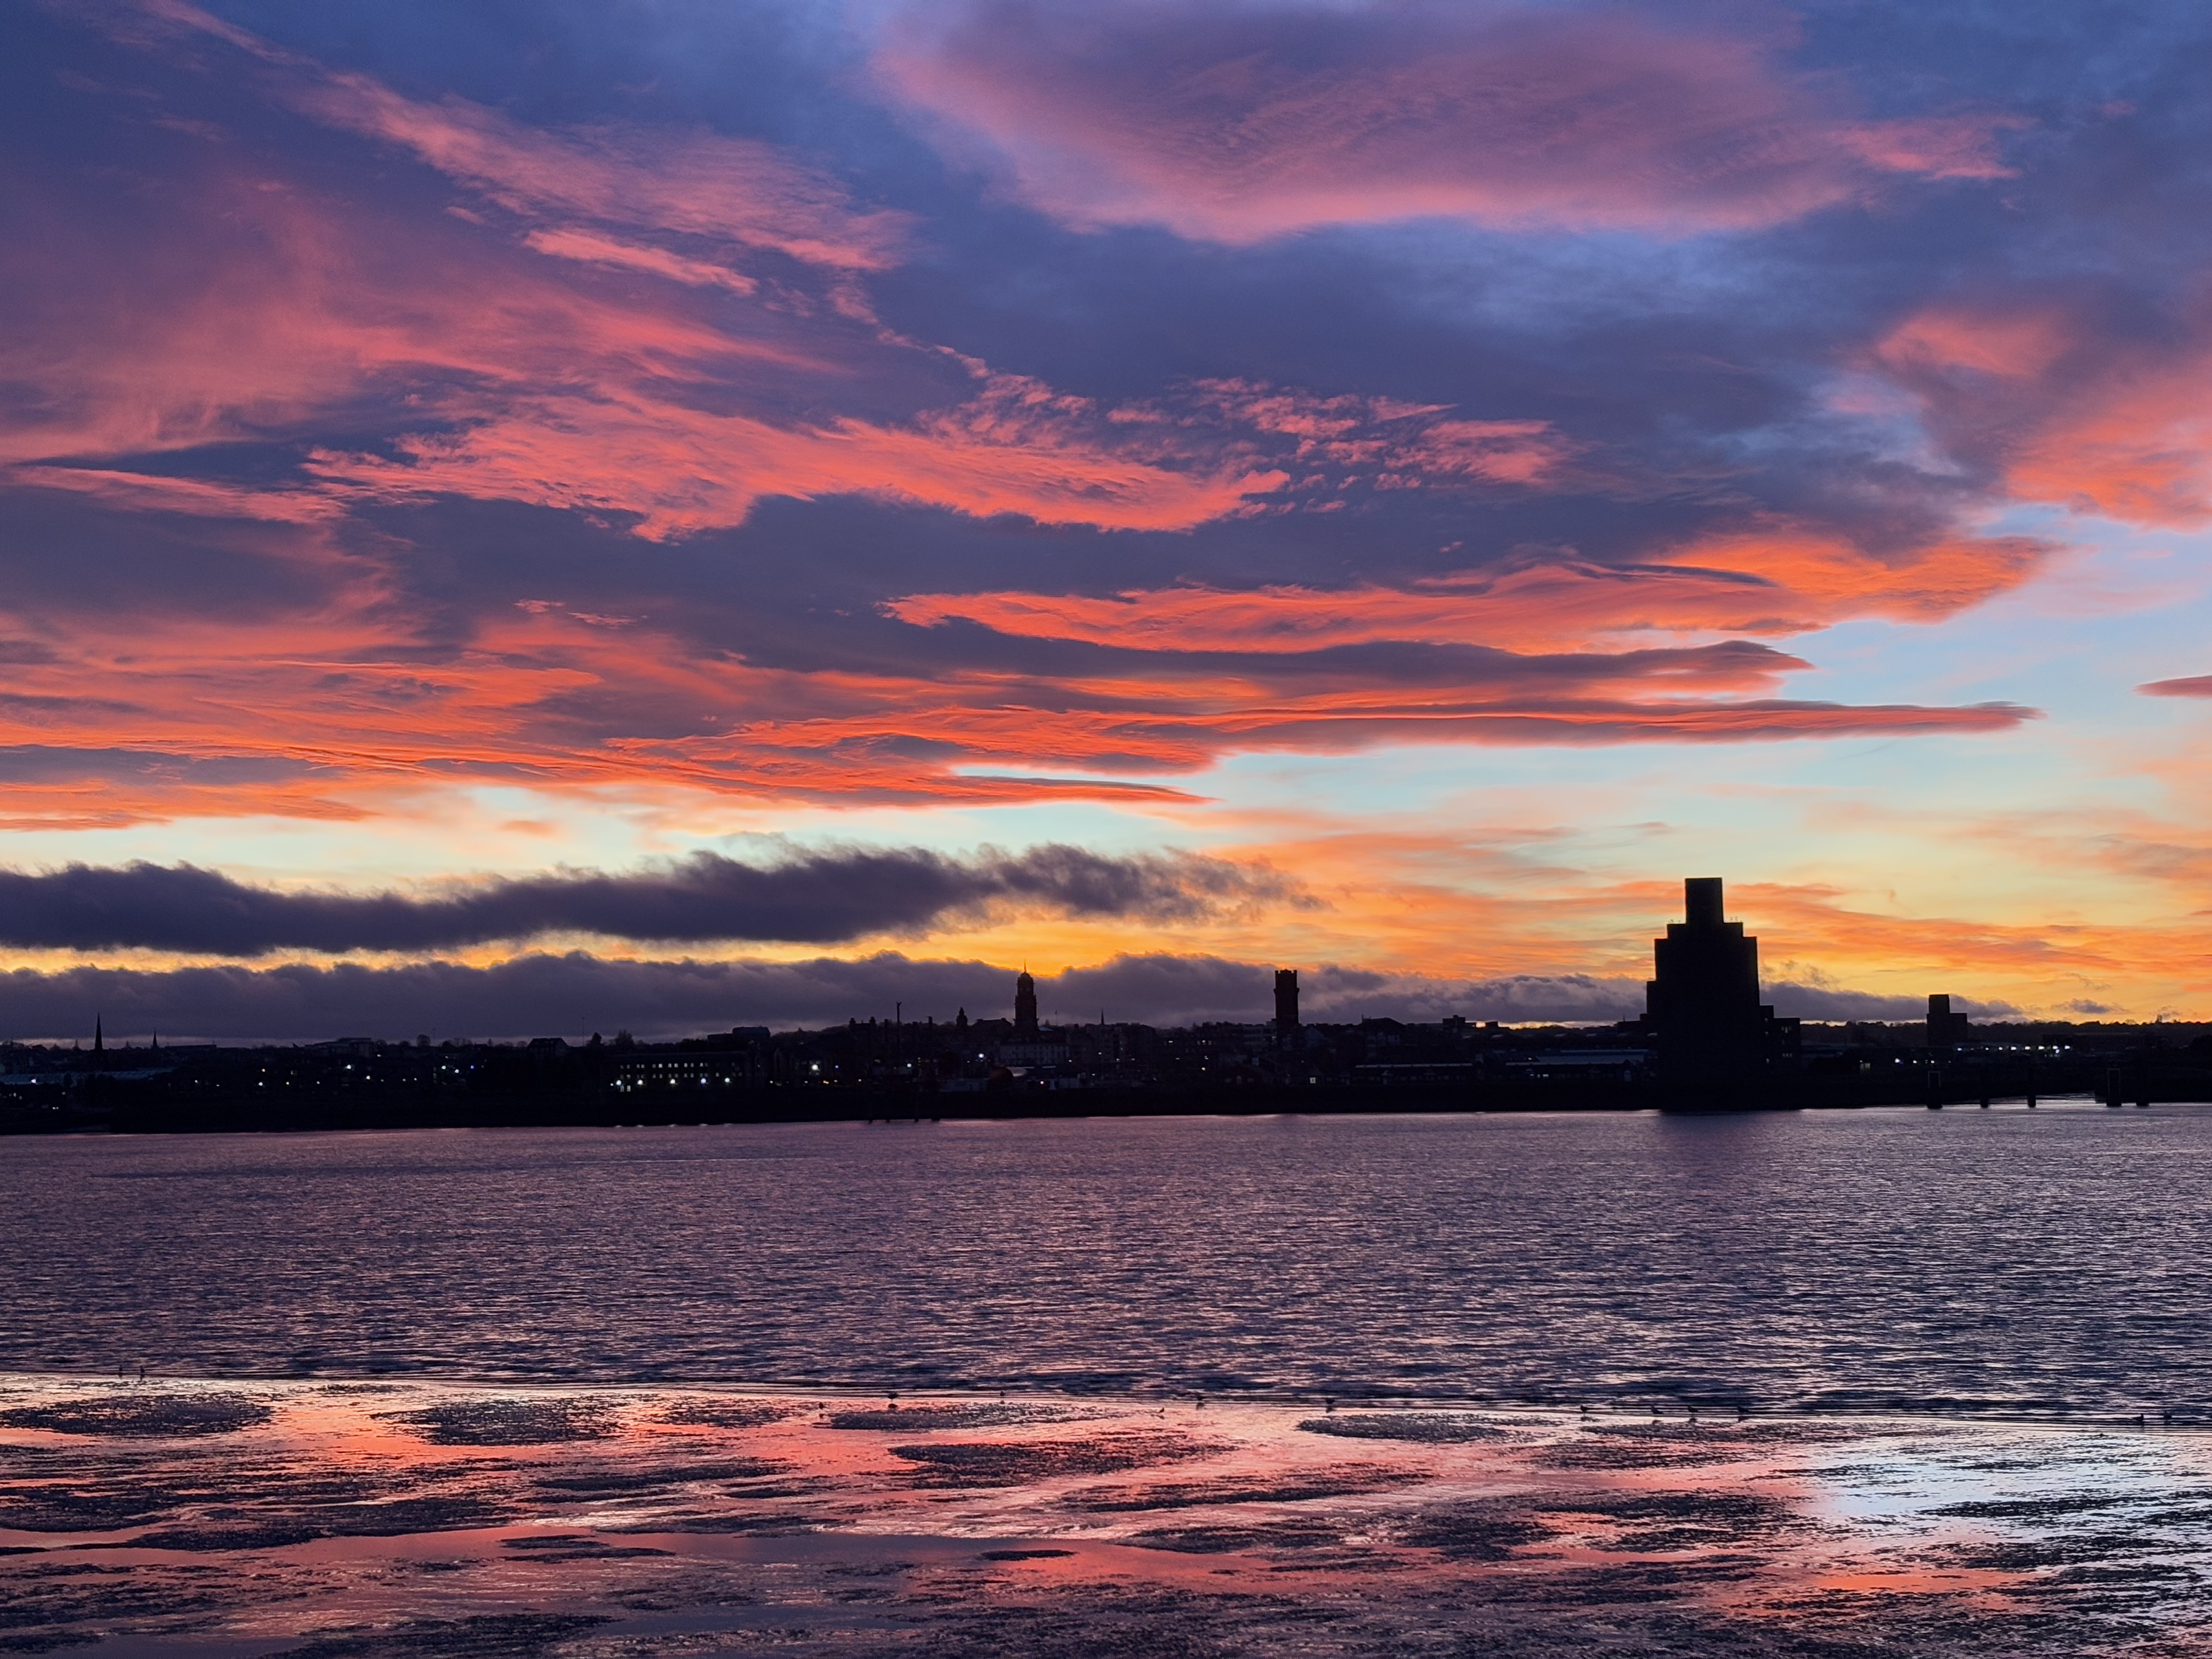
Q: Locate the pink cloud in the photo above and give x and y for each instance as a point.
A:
(293, 311)
(1776, 580)
(1933, 147)
(2137, 448)
(1497, 452)
(2196, 686)
(1335, 443)
(2011, 345)
(523, 383)
(2063, 409)
(589, 247)
(151, 493)
(682, 470)
(1241, 125)
(697, 184)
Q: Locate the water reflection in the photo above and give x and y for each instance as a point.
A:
(436, 1518)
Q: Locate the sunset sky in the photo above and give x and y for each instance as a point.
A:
(541, 516)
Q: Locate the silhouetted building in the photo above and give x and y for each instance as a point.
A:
(1025, 1019)
(1287, 1007)
(1945, 1029)
(1707, 1022)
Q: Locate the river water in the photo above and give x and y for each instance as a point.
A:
(2002, 1260)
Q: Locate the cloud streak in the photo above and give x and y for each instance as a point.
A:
(1777, 580)
(702, 184)
(809, 898)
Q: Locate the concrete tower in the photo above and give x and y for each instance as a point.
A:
(1025, 1019)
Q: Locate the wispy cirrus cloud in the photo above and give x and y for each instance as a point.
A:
(719, 189)
(1012, 448)
(201, 498)
(1237, 125)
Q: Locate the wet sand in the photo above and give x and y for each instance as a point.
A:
(408, 1520)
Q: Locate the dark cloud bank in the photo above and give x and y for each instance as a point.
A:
(576, 994)
(824, 896)
(811, 898)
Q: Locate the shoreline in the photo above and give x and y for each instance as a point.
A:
(402, 1113)
(1712, 1413)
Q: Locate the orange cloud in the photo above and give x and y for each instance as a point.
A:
(2065, 413)
(1832, 578)
(1784, 580)
(681, 469)
(2137, 448)
(323, 710)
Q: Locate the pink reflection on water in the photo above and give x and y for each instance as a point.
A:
(344, 1508)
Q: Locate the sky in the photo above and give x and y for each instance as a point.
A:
(527, 519)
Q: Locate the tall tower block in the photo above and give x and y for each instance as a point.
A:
(1703, 1004)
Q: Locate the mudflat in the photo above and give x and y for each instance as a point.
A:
(414, 1519)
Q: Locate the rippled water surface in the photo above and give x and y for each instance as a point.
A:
(2045, 1261)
